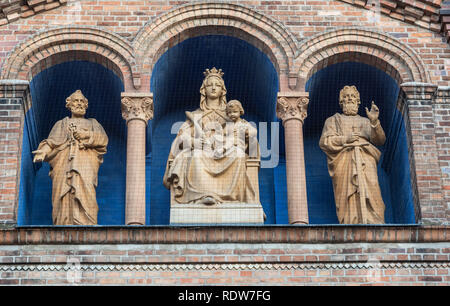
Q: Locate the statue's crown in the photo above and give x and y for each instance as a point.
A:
(213, 72)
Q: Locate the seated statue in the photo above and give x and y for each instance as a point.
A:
(74, 149)
(215, 153)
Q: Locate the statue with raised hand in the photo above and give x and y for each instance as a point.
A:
(350, 141)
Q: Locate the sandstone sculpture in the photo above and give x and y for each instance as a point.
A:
(214, 159)
(349, 142)
(74, 149)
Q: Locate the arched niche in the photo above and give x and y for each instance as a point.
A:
(394, 168)
(49, 89)
(250, 77)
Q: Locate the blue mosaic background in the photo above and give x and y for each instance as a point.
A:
(176, 79)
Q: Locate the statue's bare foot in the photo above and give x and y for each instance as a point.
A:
(208, 201)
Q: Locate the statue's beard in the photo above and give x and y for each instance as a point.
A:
(79, 110)
(350, 109)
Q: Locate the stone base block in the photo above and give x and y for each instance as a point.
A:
(223, 213)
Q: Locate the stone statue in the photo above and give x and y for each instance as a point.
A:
(210, 159)
(74, 149)
(349, 142)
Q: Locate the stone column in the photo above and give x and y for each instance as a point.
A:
(137, 109)
(292, 110)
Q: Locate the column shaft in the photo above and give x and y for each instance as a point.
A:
(137, 109)
(292, 110)
(295, 172)
(135, 186)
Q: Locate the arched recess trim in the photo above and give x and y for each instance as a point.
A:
(59, 45)
(388, 54)
(369, 47)
(197, 19)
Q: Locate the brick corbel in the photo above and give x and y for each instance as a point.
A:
(419, 91)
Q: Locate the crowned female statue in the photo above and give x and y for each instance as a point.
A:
(206, 165)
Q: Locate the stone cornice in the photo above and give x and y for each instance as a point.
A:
(224, 234)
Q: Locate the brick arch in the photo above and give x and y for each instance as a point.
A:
(359, 57)
(207, 18)
(59, 45)
(369, 47)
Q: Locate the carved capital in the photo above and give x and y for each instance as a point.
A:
(292, 106)
(137, 106)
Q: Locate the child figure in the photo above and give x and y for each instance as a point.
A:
(241, 135)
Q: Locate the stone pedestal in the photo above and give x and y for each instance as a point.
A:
(137, 109)
(292, 110)
(223, 213)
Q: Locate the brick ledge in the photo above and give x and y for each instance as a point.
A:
(223, 234)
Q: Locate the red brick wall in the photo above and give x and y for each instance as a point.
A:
(441, 116)
(272, 255)
(12, 100)
(233, 256)
(302, 18)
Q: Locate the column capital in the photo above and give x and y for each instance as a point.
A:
(137, 106)
(292, 105)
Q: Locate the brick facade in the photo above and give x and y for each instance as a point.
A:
(223, 256)
(300, 38)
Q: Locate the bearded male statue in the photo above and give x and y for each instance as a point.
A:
(74, 149)
(349, 142)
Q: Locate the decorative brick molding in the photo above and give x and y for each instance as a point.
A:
(51, 47)
(370, 47)
(212, 18)
(274, 263)
(225, 266)
(12, 10)
(315, 234)
(422, 13)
